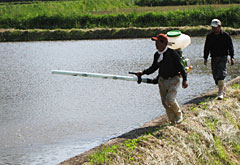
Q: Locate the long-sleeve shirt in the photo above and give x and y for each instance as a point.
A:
(170, 66)
(218, 45)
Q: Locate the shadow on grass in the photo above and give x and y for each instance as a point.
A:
(142, 131)
(204, 98)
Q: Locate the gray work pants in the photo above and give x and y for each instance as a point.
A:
(168, 92)
(219, 68)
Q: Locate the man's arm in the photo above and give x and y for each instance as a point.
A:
(152, 68)
(206, 50)
(231, 50)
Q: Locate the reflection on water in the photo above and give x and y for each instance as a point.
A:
(45, 118)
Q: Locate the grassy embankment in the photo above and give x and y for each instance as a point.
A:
(65, 20)
(209, 134)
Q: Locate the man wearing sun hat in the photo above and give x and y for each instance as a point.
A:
(169, 65)
(219, 44)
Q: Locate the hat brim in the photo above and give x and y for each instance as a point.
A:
(214, 25)
(154, 38)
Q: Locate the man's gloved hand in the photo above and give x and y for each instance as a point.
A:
(184, 84)
(205, 62)
(232, 61)
(140, 73)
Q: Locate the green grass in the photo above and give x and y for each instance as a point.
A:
(103, 155)
(236, 148)
(220, 154)
(62, 8)
(220, 151)
(204, 105)
(211, 123)
(236, 86)
(157, 9)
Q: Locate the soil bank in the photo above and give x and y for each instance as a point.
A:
(8, 35)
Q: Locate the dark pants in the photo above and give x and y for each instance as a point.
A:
(219, 68)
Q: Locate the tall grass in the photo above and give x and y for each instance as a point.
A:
(53, 14)
(64, 8)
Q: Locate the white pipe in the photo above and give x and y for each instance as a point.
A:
(97, 75)
(106, 76)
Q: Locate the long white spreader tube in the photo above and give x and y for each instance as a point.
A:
(98, 75)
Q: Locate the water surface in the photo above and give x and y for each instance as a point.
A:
(45, 118)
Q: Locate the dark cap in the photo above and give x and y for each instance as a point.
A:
(160, 36)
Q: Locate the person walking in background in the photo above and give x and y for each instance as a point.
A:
(169, 64)
(219, 44)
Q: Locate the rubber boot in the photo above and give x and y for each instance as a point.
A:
(179, 118)
(220, 89)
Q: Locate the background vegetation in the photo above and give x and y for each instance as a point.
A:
(148, 2)
(67, 19)
(182, 2)
(90, 14)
